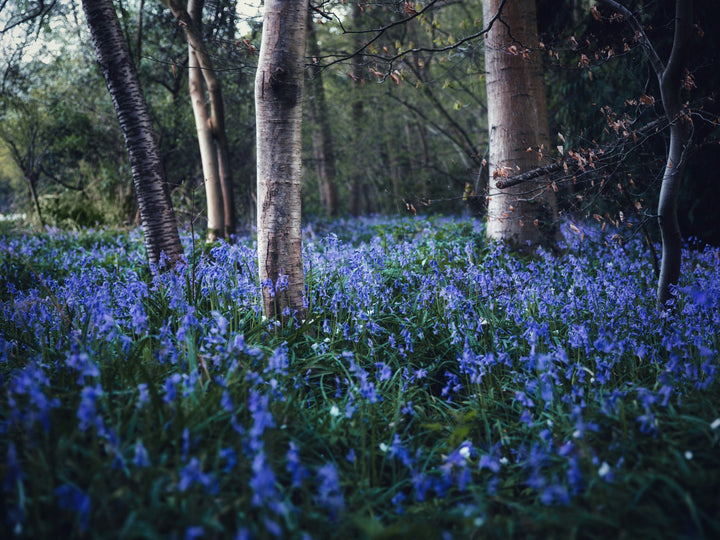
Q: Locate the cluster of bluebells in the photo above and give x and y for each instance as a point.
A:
(563, 332)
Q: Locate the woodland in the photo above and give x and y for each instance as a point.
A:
(381, 269)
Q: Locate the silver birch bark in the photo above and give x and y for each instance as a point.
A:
(191, 21)
(278, 110)
(206, 144)
(155, 206)
(518, 121)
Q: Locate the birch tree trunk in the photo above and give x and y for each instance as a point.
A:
(278, 109)
(208, 154)
(191, 21)
(518, 121)
(321, 133)
(156, 212)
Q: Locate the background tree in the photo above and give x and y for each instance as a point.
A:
(212, 139)
(322, 141)
(278, 108)
(155, 206)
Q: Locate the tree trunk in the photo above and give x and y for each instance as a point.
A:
(357, 183)
(156, 211)
(680, 131)
(321, 134)
(670, 77)
(278, 109)
(208, 153)
(32, 181)
(518, 121)
(191, 20)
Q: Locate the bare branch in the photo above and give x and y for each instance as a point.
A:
(384, 29)
(575, 162)
(652, 54)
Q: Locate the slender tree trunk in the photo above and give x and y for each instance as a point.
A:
(32, 180)
(206, 143)
(680, 132)
(278, 109)
(321, 133)
(156, 211)
(139, 36)
(357, 183)
(518, 121)
(208, 155)
(670, 77)
(191, 20)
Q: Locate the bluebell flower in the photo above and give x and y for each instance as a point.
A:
(141, 458)
(87, 411)
(383, 371)
(397, 501)
(262, 481)
(294, 466)
(329, 492)
(230, 457)
(143, 394)
(192, 474)
(191, 533)
(226, 402)
(398, 451)
(75, 500)
(170, 387)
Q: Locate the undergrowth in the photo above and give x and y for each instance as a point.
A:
(440, 387)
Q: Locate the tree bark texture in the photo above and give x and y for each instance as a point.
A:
(518, 121)
(156, 211)
(278, 109)
(206, 143)
(321, 133)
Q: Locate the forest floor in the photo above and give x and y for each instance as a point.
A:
(440, 387)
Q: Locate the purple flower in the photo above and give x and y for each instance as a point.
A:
(191, 533)
(192, 474)
(294, 467)
(87, 411)
(329, 493)
(144, 395)
(383, 371)
(230, 457)
(398, 451)
(262, 481)
(141, 458)
(262, 417)
(73, 499)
